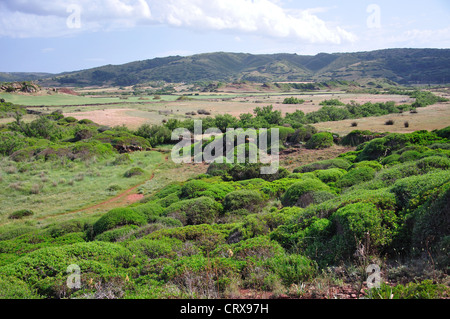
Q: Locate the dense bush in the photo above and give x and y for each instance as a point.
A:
(118, 217)
(432, 220)
(356, 176)
(202, 210)
(361, 223)
(19, 214)
(323, 165)
(320, 141)
(135, 171)
(249, 200)
(293, 100)
(330, 175)
(293, 193)
(13, 288)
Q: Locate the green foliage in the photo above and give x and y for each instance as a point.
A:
(149, 209)
(361, 223)
(156, 135)
(206, 237)
(19, 214)
(250, 200)
(408, 188)
(13, 288)
(372, 164)
(425, 289)
(293, 269)
(116, 234)
(135, 171)
(431, 220)
(358, 137)
(293, 100)
(320, 141)
(202, 210)
(261, 247)
(356, 176)
(11, 142)
(294, 192)
(118, 217)
(330, 175)
(323, 165)
(332, 102)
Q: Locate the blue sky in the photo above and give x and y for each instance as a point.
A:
(67, 35)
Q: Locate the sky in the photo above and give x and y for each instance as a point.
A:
(69, 35)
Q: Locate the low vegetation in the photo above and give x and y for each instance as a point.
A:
(297, 232)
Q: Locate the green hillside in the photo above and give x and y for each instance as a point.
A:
(405, 66)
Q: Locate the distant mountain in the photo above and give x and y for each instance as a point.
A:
(22, 76)
(405, 66)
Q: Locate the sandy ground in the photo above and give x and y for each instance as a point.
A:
(110, 117)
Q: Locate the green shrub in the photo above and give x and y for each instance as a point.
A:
(361, 223)
(64, 228)
(372, 164)
(219, 169)
(21, 214)
(410, 187)
(292, 269)
(314, 198)
(293, 193)
(118, 217)
(256, 248)
(391, 159)
(250, 200)
(444, 133)
(135, 171)
(426, 289)
(409, 156)
(116, 234)
(122, 159)
(13, 288)
(155, 248)
(431, 220)
(202, 210)
(320, 141)
(358, 137)
(330, 175)
(293, 100)
(430, 163)
(192, 188)
(206, 237)
(46, 268)
(149, 210)
(323, 165)
(356, 176)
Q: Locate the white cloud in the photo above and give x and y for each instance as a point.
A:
(38, 18)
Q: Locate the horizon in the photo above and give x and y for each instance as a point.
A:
(216, 52)
(63, 36)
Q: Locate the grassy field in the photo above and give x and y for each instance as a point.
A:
(52, 188)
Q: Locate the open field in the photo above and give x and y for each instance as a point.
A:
(428, 118)
(134, 112)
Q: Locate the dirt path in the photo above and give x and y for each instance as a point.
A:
(125, 198)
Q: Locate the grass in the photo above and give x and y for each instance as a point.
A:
(51, 188)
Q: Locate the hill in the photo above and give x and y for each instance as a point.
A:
(404, 66)
(22, 76)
